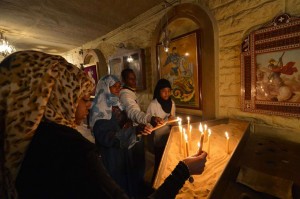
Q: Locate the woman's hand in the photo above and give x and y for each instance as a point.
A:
(156, 121)
(143, 129)
(196, 163)
(171, 117)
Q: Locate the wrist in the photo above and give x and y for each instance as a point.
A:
(191, 179)
(186, 166)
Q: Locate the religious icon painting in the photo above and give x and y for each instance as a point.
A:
(180, 65)
(270, 75)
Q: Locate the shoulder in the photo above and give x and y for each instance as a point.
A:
(126, 91)
(60, 135)
(153, 103)
(173, 103)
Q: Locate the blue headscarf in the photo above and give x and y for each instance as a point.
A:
(104, 100)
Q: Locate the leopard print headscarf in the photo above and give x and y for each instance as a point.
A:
(34, 85)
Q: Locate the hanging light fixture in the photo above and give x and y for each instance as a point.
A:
(129, 59)
(5, 47)
(166, 32)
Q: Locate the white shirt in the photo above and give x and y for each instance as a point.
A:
(129, 100)
(85, 132)
(155, 109)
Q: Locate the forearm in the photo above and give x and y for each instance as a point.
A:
(173, 183)
(138, 116)
(108, 134)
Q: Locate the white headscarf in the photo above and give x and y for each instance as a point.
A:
(104, 100)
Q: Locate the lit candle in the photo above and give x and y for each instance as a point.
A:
(190, 133)
(205, 133)
(227, 142)
(199, 148)
(186, 143)
(200, 128)
(180, 132)
(208, 142)
(188, 124)
(201, 138)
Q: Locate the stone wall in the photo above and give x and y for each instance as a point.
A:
(233, 20)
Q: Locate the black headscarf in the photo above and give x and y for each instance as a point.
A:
(165, 104)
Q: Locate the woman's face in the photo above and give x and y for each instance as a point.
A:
(82, 109)
(165, 93)
(115, 89)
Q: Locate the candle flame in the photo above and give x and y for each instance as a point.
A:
(198, 144)
(185, 136)
(226, 135)
(209, 132)
(205, 127)
(200, 127)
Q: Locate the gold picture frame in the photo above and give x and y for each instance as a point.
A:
(181, 66)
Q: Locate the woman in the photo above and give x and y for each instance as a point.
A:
(164, 107)
(45, 157)
(116, 138)
(42, 97)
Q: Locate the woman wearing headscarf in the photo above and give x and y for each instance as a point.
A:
(164, 107)
(116, 138)
(42, 98)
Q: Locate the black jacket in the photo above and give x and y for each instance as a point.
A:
(61, 164)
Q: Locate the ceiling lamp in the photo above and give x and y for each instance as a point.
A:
(5, 47)
(129, 59)
(166, 33)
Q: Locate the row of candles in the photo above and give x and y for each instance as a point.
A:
(205, 135)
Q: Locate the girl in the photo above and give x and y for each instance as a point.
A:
(164, 107)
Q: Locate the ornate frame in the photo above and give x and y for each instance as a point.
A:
(119, 61)
(183, 69)
(92, 70)
(270, 68)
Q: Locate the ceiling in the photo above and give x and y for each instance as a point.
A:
(57, 26)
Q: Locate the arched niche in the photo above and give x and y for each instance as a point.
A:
(184, 18)
(95, 57)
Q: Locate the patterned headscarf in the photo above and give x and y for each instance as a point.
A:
(104, 100)
(34, 85)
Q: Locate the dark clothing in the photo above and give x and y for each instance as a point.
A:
(173, 183)
(61, 163)
(122, 151)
